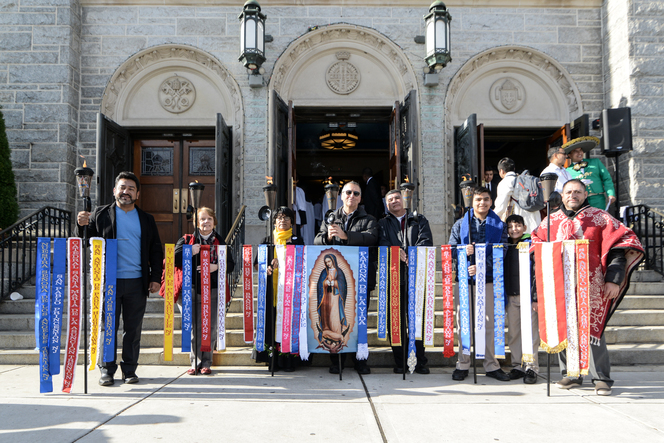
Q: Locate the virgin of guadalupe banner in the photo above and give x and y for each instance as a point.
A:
(332, 278)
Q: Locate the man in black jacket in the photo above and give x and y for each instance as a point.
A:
(373, 199)
(350, 225)
(401, 228)
(138, 236)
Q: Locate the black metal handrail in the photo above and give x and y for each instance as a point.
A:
(235, 241)
(648, 224)
(18, 245)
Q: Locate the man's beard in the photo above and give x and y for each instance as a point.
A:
(120, 202)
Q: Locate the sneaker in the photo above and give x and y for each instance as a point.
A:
(459, 374)
(602, 388)
(530, 378)
(499, 375)
(516, 374)
(569, 383)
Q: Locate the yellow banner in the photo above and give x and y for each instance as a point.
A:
(97, 246)
(168, 302)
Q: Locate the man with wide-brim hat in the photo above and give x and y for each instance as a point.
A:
(591, 171)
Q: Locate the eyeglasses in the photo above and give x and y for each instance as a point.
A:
(282, 219)
(355, 193)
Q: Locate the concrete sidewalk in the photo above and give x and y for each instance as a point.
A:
(245, 404)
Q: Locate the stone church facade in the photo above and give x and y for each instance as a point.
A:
(164, 70)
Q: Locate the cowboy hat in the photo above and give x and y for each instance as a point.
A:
(585, 143)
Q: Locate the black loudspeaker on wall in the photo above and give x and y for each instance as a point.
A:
(616, 131)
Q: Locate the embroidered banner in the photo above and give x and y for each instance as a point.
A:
(395, 296)
(289, 274)
(383, 280)
(43, 283)
(448, 300)
(297, 299)
(97, 259)
(304, 346)
(109, 300)
(332, 306)
(261, 302)
(420, 288)
(75, 294)
(430, 297)
(187, 304)
(583, 295)
(499, 302)
(280, 276)
(221, 297)
(362, 305)
(569, 268)
(551, 296)
(206, 301)
(413, 266)
(525, 299)
(248, 291)
(464, 299)
(57, 299)
(480, 303)
(169, 296)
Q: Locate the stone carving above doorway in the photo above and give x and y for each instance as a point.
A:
(342, 77)
(507, 95)
(177, 94)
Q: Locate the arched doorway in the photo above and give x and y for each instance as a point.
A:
(342, 78)
(515, 100)
(172, 114)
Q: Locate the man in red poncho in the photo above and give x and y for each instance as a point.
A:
(615, 251)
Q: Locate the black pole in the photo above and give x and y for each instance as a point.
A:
(403, 344)
(194, 317)
(341, 369)
(548, 356)
(87, 207)
(617, 160)
(270, 300)
(471, 287)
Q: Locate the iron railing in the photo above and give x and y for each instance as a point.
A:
(648, 224)
(235, 240)
(18, 245)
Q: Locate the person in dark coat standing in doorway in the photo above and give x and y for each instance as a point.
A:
(373, 199)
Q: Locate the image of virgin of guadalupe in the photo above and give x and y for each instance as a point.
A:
(332, 325)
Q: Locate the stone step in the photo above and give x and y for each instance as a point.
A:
(642, 302)
(645, 288)
(621, 355)
(634, 334)
(638, 317)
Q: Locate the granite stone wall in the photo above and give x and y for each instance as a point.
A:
(39, 94)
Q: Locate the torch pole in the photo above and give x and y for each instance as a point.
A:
(548, 356)
(197, 263)
(87, 206)
(471, 286)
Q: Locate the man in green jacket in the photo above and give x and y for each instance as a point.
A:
(590, 171)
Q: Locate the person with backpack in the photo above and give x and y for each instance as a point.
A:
(518, 194)
(204, 235)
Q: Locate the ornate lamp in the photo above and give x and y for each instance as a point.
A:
(437, 36)
(84, 180)
(195, 192)
(548, 181)
(252, 36)
(338, 139)
(467, 187)
(331, 192)
(407, 189)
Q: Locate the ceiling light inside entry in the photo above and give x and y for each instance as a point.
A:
(338, 140)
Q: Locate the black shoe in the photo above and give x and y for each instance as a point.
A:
(459, 374)
(362, 367)
(530, 377)
(334, 369)
(398, 370)
(129, 379)
(515, 374)
(498, 374)
(422, 369)
(106, 378)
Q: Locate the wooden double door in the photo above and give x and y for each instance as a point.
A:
(165, 169)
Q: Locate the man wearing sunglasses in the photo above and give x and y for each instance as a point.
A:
(350, 225)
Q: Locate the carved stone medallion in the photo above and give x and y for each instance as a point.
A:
(507, 95)
(342, 77)
(177, 94)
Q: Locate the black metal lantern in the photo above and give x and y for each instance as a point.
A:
(437, 36)
(252, 35)
(407, 194)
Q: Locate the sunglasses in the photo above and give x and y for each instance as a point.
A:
(355, 193)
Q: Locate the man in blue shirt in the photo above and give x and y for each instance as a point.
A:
(139, 267)
(485, 227)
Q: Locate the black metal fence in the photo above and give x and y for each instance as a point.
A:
(648, 224)
(235, 241)
(18, 245)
